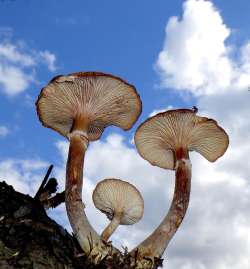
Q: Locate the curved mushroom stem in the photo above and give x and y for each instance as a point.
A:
(87, 237)
(109, 230)
(73, 193)
(154, 246)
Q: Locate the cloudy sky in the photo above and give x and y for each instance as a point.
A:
(177, 54)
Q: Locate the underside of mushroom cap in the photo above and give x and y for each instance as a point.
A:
(159, 137)
(101, 99)
(115, 195)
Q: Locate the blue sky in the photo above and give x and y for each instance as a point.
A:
(177, 54)
(118, 38)
(121, 38)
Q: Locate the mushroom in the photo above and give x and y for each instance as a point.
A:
(165, 141)
(120, 201)
(80, 106)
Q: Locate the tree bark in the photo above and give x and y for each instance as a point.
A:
(30, 239)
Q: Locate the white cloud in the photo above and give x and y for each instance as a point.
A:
(12, 53)
(24, 175)
(243, 72)
(18, 64)
(50, 59)
(3, 131)
(13, 80)
(214, 231)
(195, 56)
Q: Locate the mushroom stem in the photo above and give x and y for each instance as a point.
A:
(109, 230)
(73, 193)
(80, 123)
(156, 243)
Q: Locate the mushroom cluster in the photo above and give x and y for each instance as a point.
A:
(80, 106)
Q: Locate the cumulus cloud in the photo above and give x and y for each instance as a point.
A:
(24, 175)
(195, 56)
(18, 64)
(214, 231)
(10, 52)
(14, 80)
(243, 72)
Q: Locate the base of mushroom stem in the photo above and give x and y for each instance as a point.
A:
(101, 252)
(106, 254)
(146, 262)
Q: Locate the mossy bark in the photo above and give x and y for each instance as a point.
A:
(30, 239)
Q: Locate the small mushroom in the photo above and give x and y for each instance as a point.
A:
(120, 201)
(165, 141)
(80, 106)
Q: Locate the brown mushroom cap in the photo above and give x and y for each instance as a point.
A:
(102, 99)
(159, 137)
(115, 196)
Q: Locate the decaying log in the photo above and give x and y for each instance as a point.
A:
(29, 239)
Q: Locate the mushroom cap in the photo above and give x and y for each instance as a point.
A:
(102, 99)
(159, 137)
(114, 195)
